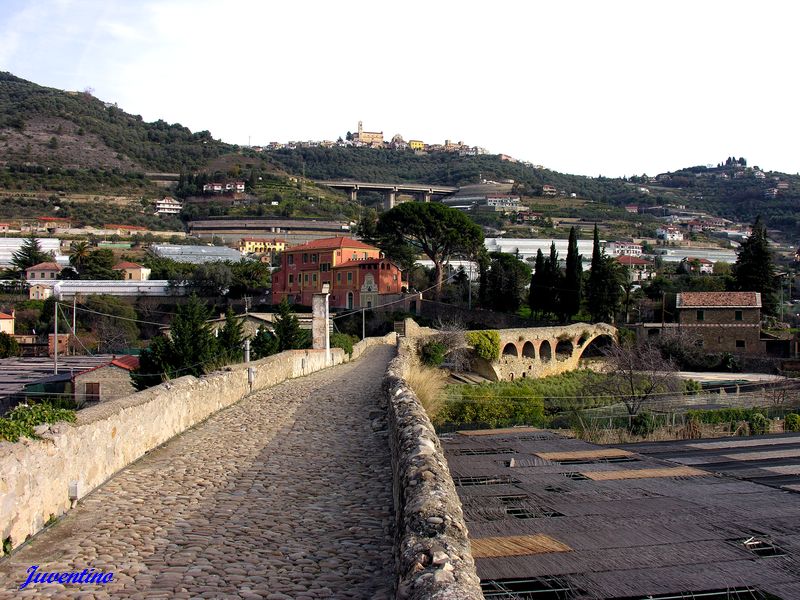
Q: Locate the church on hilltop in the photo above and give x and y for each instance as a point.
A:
(368, 138)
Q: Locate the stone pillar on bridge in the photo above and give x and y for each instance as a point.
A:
(353, 194)
(319, 320)
(426, 196)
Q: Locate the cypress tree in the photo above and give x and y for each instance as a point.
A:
(536, 294)
(754, 270)
(230, 338)
(552, 282)
(287, 328)
(573, 279)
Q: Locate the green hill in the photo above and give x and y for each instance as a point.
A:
(54, 128)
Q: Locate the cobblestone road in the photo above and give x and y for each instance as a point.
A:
(287, 494)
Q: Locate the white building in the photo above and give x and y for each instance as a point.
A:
(669, 234)
(623, 249)
(72, 287)
(168, 206)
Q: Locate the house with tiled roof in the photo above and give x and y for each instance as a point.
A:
(45, 270)
(358, 274)
(639, 269)
(105, 382)
(722, 321)
(132, 271)
(7, 322)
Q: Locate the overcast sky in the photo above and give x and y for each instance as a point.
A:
(587, 87)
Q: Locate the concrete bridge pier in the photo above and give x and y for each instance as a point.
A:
(391, 199)
(353, 194)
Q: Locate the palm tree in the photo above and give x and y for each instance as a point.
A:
(78, 253)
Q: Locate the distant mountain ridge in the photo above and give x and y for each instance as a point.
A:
(73, 130)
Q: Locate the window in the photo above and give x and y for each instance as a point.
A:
(314, 278)
(290, 259)
(349, 277)
(305, 278)
(291, 278)
(313, 258)
(740, 344)
(737, 315)
(338, 278)
(325, 267)
(305, 258)
(92, 392)
(701, 315)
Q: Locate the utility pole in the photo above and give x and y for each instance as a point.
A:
(74, 324)
(469, 285)
(363, 324)
(55, 338)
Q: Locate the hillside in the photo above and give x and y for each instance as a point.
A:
(735, 191)
(720, 191)
(54, 128)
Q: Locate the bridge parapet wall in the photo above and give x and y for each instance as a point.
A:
(36, 474)
(433, 557)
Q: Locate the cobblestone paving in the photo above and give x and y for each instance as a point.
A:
(287, 494)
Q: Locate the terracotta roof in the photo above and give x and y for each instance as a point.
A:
(632, 260)
(332, 244)
(45, 266)
(703, 261)
(719, 299)
(6, 316)
(364, 261)
(126, 361)
(126, 265)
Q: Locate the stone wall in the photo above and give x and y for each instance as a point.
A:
(433, 558)
(36, 474)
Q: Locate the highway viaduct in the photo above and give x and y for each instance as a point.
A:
(424, 191)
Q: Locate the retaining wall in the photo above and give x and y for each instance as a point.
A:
(433, 558)
(35, 475)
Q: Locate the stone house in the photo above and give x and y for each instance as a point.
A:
(105, 382)
(723, 321)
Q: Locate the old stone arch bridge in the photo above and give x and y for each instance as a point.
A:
(543, 351)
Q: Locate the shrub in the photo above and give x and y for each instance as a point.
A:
(343, 341)
(759, 424)
(486, 343)
(792, 422)
(432, 353)
(427, 383)
(21, 421)
(643, 424)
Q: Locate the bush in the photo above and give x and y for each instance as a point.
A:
(344, 341)
(432, 353)
(427, 383)
(21, 421)
(486, 343)
(643, 424)
(792, 422)
(759, 424)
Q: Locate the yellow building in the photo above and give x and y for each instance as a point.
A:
(416, 144)
(254, 245)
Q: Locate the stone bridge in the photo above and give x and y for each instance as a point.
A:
(543, 351)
